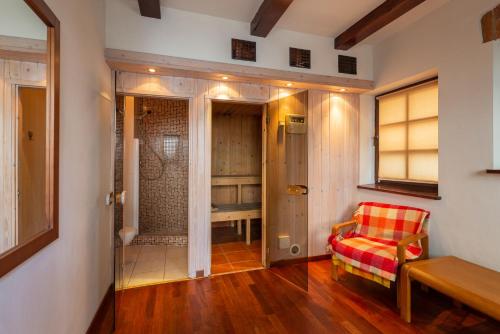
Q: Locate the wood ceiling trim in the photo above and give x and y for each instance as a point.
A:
(139, 62)
(150, 8)
(378, 18)
(23, 49)
(268, 14)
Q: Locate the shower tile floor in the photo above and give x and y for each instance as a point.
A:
(145, 264)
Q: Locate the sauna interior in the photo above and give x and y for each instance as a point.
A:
(236, 186)
(151, 180)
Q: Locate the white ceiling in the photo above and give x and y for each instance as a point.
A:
(319, 17)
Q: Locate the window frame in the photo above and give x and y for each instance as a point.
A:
(412, 188)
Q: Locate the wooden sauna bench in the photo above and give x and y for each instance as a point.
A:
(237, 211)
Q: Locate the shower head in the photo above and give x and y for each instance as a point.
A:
(145, 112)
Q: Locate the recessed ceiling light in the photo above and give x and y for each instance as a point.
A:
(289, 84)
(151, 70)
(225, 77)
(342, 89)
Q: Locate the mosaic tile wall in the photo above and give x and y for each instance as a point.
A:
(163, 196)
(153, 239)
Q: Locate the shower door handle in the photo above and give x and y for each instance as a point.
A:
(121, 197)
(297, 189)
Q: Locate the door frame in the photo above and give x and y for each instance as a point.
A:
(208, 151)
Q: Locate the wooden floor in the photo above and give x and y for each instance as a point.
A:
(263, 302)
(236, 256)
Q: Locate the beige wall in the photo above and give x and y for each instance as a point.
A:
(59, 289)
(448, 41)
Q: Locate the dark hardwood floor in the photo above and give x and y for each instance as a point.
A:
(261, 301)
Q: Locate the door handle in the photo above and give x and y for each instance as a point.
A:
(121, 197)
(297, 189)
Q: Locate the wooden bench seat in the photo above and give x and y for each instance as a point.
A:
(463, 281)
(237, 211)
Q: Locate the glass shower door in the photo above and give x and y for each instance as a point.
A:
(287, 191)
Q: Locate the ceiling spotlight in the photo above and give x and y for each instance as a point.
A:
(289, 84)
(151, 70)
(225, 77)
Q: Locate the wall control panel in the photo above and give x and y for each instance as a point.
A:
(295, 124)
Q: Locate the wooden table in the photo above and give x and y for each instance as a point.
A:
(463, 281)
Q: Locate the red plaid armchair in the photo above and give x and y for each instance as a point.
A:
(379, 239)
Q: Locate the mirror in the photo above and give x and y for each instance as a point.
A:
(29, 85)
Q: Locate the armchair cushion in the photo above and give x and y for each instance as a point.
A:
(377, 256)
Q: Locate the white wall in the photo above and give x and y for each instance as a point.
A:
(196, 36)
(18, 20)
(465, 222)
(59, 289)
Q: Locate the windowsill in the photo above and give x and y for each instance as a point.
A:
(401, 190)
(493, 171)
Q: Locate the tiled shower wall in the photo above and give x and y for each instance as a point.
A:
(163, 201)
(163, 196)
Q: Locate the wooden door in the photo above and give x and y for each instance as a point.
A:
(31, 143)
(286, 180)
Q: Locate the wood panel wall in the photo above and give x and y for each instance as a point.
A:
(11, 73)
(333, 164)
(236, 151)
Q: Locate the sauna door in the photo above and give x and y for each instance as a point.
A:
(286, 173)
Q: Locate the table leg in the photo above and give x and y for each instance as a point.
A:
(247, 223)
(405, 294)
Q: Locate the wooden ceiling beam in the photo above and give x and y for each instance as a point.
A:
(150, 8)
(267, 16)
(378, 18)
(490, 24)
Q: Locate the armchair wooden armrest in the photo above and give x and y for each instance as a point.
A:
(337, 227)
(403, 244)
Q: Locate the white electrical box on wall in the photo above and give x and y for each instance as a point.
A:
(284, 241)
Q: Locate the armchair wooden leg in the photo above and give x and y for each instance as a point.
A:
(335, 272)
(398, 292)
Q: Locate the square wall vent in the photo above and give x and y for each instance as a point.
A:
(300, 58)
(348, 65)
(243, 50)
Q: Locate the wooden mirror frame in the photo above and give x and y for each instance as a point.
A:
(17, 255)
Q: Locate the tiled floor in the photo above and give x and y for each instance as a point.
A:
(236, 256)
(146, 265)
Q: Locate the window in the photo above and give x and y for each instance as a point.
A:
(170, 146)
(407, 138)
